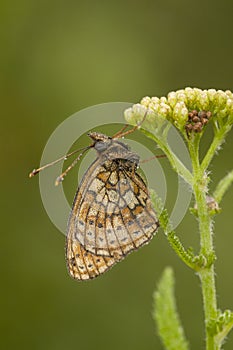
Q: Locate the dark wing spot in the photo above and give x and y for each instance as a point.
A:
(136, 233)
(72, 260)
(147, 226)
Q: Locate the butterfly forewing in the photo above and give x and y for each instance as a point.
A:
(111, 215)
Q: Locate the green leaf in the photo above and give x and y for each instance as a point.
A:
(223, 186)
(165, 314)
(223, 326)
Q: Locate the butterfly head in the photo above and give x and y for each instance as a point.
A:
(101, 141)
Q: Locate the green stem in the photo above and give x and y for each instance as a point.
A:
(215, 145)
(206, 274)
(177, 165)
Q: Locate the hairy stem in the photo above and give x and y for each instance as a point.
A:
(206, 274)
(215, 146)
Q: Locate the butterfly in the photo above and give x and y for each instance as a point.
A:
(112, 213)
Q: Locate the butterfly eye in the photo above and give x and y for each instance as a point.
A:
(101, 146)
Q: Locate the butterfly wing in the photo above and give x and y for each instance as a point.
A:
(81, 263)
(111, 216)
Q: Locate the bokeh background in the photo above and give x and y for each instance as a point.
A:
(58, 57)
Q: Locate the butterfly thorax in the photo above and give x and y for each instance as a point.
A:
(109, 149)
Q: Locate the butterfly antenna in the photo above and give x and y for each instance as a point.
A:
(61, 177)
(122, 134)
(152, 158)
(36, 171)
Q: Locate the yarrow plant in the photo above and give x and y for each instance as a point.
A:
(190, 110)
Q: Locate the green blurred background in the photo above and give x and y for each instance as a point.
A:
(58, 57)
